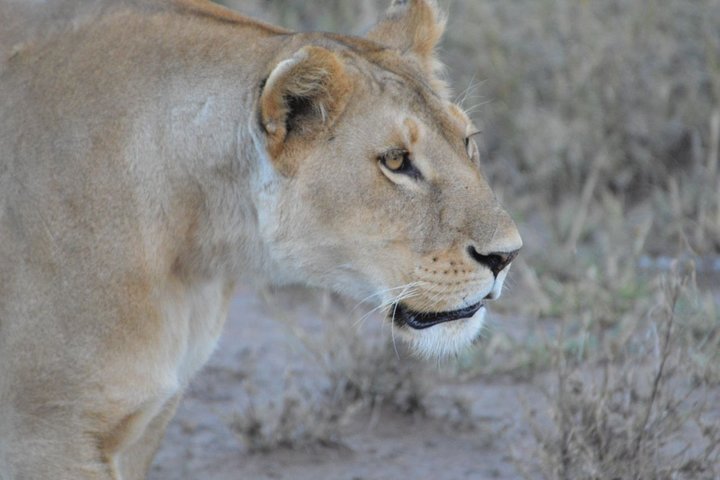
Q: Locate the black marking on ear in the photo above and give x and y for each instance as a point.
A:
(298, 108)
(260, 122)
(262, 84)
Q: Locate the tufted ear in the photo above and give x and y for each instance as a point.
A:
(302, 97)
(412, 26)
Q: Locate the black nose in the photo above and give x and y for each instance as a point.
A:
(496, 261)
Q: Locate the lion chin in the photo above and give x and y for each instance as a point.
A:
(442, 341)
(438, 334)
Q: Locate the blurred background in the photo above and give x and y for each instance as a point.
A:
(601, 124)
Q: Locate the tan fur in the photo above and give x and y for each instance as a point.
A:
(155, 152)
(414, 27)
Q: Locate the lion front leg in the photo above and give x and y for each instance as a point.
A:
(45, 448)
(135, 461)
(52, 427)
(61, 442)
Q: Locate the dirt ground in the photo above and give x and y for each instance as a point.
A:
(260, 351)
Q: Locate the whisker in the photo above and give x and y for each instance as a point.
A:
(434, 297)
(380, 292)
(383, 306)
(462, 96)
(408, 291)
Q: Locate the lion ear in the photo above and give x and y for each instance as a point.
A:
(414, 27)
(302, 97)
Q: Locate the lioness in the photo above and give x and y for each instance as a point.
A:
(153, 153)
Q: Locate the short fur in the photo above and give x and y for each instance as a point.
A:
(152, 153)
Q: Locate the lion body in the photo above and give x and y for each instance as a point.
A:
(134, 194)
(85, 219)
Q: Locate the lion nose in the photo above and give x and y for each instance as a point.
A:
(495, 261)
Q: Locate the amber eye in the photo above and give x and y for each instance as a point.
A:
(398, 161)
(395, 159)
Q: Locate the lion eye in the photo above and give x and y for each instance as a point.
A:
(395, 160)
(471, 148)
(470, 145)
(398, 161)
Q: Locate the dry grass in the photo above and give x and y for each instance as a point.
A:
(634, 413)
(299, 421)
(362, 374)
(601, 134)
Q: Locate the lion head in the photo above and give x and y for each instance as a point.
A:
(375, 187)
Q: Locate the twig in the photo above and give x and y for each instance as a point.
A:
(665, 353)
(585, 198)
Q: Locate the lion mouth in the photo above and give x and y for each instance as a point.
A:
(401, 314)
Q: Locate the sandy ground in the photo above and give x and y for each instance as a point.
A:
(260, 354)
